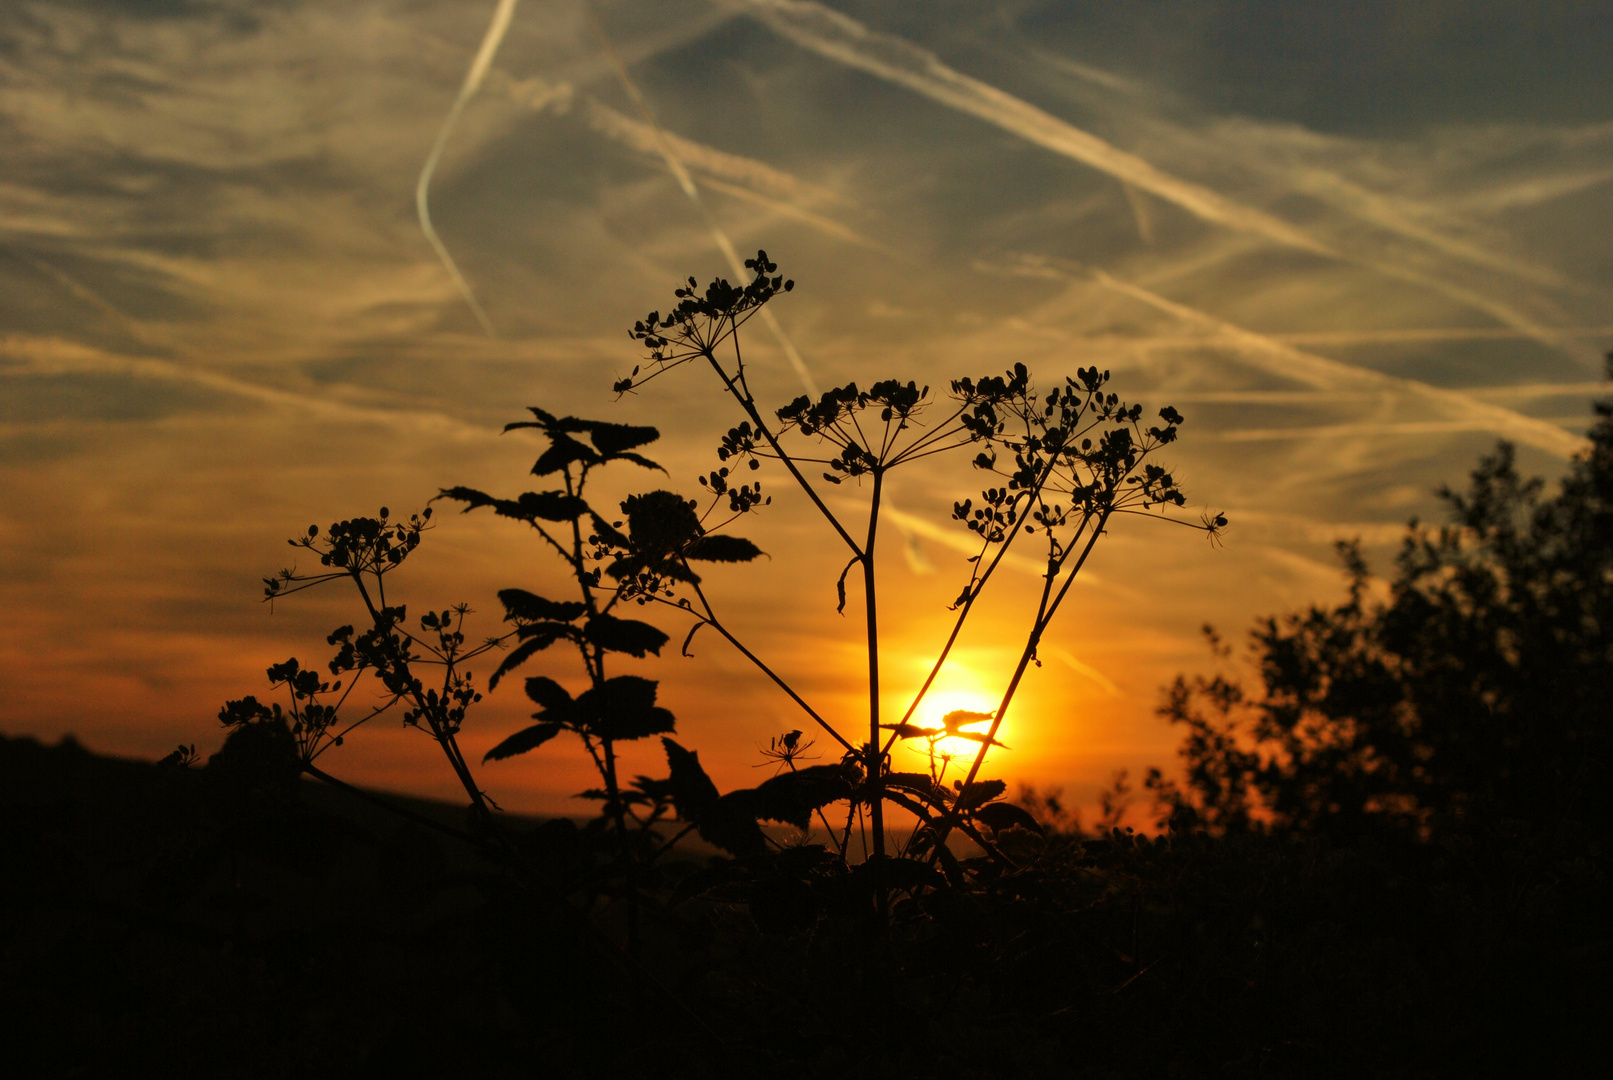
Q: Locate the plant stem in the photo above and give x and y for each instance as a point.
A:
(711, 620)
(876, 813)
(756, 418)
(1044, 619)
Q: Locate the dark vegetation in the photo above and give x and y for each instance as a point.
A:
(1388, 859)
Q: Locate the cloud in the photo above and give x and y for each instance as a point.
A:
(843, 39)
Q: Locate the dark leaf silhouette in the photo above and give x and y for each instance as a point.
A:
(613, 440)
(531, 506)
(541, 637)
(563, 451)
(624, 635)
(979, 793)
(720, 548)
(522, 741)
(520, 604)
(1001, 815)
(623, 708)
(920, 784)
(792, 796)
(913, 731)
(548, 693)
(693, 793)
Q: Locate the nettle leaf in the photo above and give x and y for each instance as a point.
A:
(613, 440)
(624, 635)
(1001, 815)
(520, 604)
(538, 637)
(624, 708)
(791, 797)
(530, 507)
(913, 731)
(730, 823)
(722, 549)
(527, 739)
(548, 693)
(693, 793)
(979, 793)
(920, 784)
(470, 496)
(550, 506)
(636, 459)
(563, 451)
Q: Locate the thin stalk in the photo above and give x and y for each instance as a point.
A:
(756, 418)
(1043, 620)
(876, 812)
(711, 620)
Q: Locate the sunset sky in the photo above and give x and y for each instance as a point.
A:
(1354, 244)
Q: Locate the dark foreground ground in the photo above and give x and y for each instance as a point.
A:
(163, 922)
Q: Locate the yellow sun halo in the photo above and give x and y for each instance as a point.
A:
(933, 712)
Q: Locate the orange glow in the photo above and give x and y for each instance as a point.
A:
(951, 752)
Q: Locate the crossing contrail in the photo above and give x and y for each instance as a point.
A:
(686, 182)
(473, 81)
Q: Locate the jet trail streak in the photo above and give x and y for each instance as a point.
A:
(831, 34)
(473, 81)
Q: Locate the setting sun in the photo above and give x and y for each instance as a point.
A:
(954, 715)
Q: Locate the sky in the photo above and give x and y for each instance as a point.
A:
(1354, 244)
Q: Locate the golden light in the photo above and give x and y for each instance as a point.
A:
(963, 711)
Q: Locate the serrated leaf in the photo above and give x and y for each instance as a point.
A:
(730, 823)
(470, 496)
(913, 731)
(721, 548)
(636, 459)
(624, 635)
(522, 741)
(623, 708)
(978, 794)
(549, 506)
(548, 693)
(920, 784)
(792, 796)
(520, 604)
(1000, 815)
(693, 793)
(527, 649)
(614, 439)
(955, 719)
(563, 451)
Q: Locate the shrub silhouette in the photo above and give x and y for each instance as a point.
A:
(1474, 695)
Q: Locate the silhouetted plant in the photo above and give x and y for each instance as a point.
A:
(364, 551)
(1063, 463)
(1475, 693)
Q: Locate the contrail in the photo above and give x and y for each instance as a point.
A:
(473, 81)
(1288, 362)
(56, 356)
(896, 60)
(686, 182)
(1084, 669)
(647, 138)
